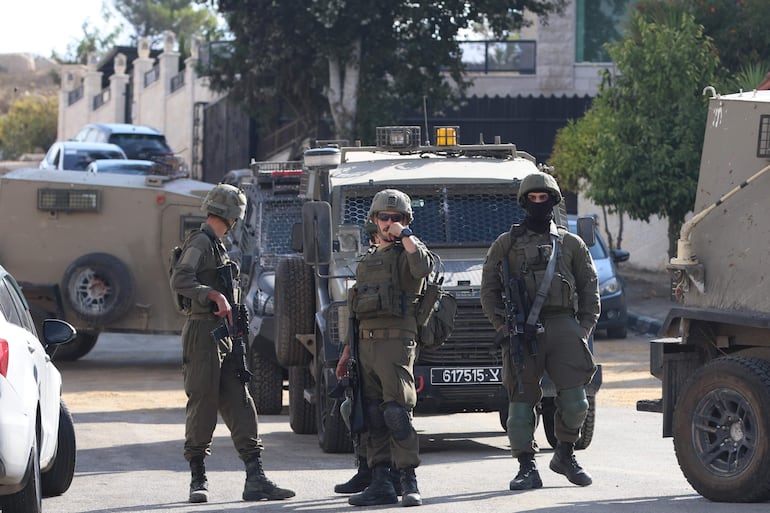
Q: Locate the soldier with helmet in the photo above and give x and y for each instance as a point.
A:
(568, 314)
(384, 302)
(210, 380)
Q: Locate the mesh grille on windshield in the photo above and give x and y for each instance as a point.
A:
(446, 214)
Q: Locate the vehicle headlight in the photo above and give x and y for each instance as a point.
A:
(609, 287)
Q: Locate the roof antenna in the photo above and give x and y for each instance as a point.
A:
(425, 113)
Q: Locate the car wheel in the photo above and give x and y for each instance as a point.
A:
(57, 479)
(80, 346)
(99, 288)
(301, 412)
(30, 498)
(720, 426)
(266, 384)
(294, 310)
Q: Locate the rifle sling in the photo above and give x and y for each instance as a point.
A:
(542, 291)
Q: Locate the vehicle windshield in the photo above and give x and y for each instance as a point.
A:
(78, 160)
(141, 146)
(446, 215)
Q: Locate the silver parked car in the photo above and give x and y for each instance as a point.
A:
(37, 436)
(75, 156)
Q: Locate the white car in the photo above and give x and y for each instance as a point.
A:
(123, 167)
(37, 436)
(75, 155)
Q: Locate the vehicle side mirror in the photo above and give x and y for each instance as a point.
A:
(586, 229)
(317, 232)
(56, 331)
(619, 255)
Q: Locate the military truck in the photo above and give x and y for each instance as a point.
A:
(463, 197)
(259, 243)
(714, 354)
(93, 249)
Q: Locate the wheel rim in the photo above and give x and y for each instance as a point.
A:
(90, 291)
(724, 432)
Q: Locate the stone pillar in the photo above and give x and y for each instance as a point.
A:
(92, 83)
(142, 65)
(118, 85)
(168, 61)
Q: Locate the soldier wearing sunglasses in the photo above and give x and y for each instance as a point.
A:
(388, 282)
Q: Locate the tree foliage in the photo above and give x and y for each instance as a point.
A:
(738, 27)
(96, 40)
(186, 18)
(29, 126)
(357, 60)
(649, 148)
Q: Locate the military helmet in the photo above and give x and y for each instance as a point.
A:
(225, 201)
(391, 199)
(539, 182)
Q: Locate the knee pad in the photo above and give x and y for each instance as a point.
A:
(521, 426)
(397, 420)
(572, 404)
(374, 419)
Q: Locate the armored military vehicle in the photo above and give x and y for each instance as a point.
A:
(93, 249)
(714, 357)
(463, 197)
(259, 243)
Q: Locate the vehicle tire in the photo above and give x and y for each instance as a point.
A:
(547, 411)
(30, 498)
(80, 346)
(617, 332)
(57, 479)
(266, 386)
(294, 310)
(548, 406)
(721, 428)
(301, 412)
(99, 288)
(333, 435)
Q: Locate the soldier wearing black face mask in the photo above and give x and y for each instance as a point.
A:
(568, 314)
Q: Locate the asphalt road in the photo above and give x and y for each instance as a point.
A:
(128, 408)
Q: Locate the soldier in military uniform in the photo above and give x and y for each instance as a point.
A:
(210, 379)
(388, 282)
(568, 315)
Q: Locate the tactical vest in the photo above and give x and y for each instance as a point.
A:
(380, 291)
(528, 257)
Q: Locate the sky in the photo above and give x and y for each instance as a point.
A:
(40, 26)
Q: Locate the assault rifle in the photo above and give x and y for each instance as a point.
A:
(351, 389)
(237, 331)
(517, 307)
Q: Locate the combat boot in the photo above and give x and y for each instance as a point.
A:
(259, 487)
(199, 485)
(380, 491)
(359, 481)
(528, 477)
(563, 462)
(411, 494)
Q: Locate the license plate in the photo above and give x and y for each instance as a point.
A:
(466, 376)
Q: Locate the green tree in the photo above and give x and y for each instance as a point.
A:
(96, 39)
(648, 149)
(355, 60)
(186, 18)
(29, 126)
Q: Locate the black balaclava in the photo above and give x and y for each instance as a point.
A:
(539, 215)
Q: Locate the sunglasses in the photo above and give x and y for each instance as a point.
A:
(396, 218)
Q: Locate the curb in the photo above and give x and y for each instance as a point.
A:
(644, 324)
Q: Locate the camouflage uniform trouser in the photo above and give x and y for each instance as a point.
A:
(212, 387)
(387, 366)
(562, 351)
